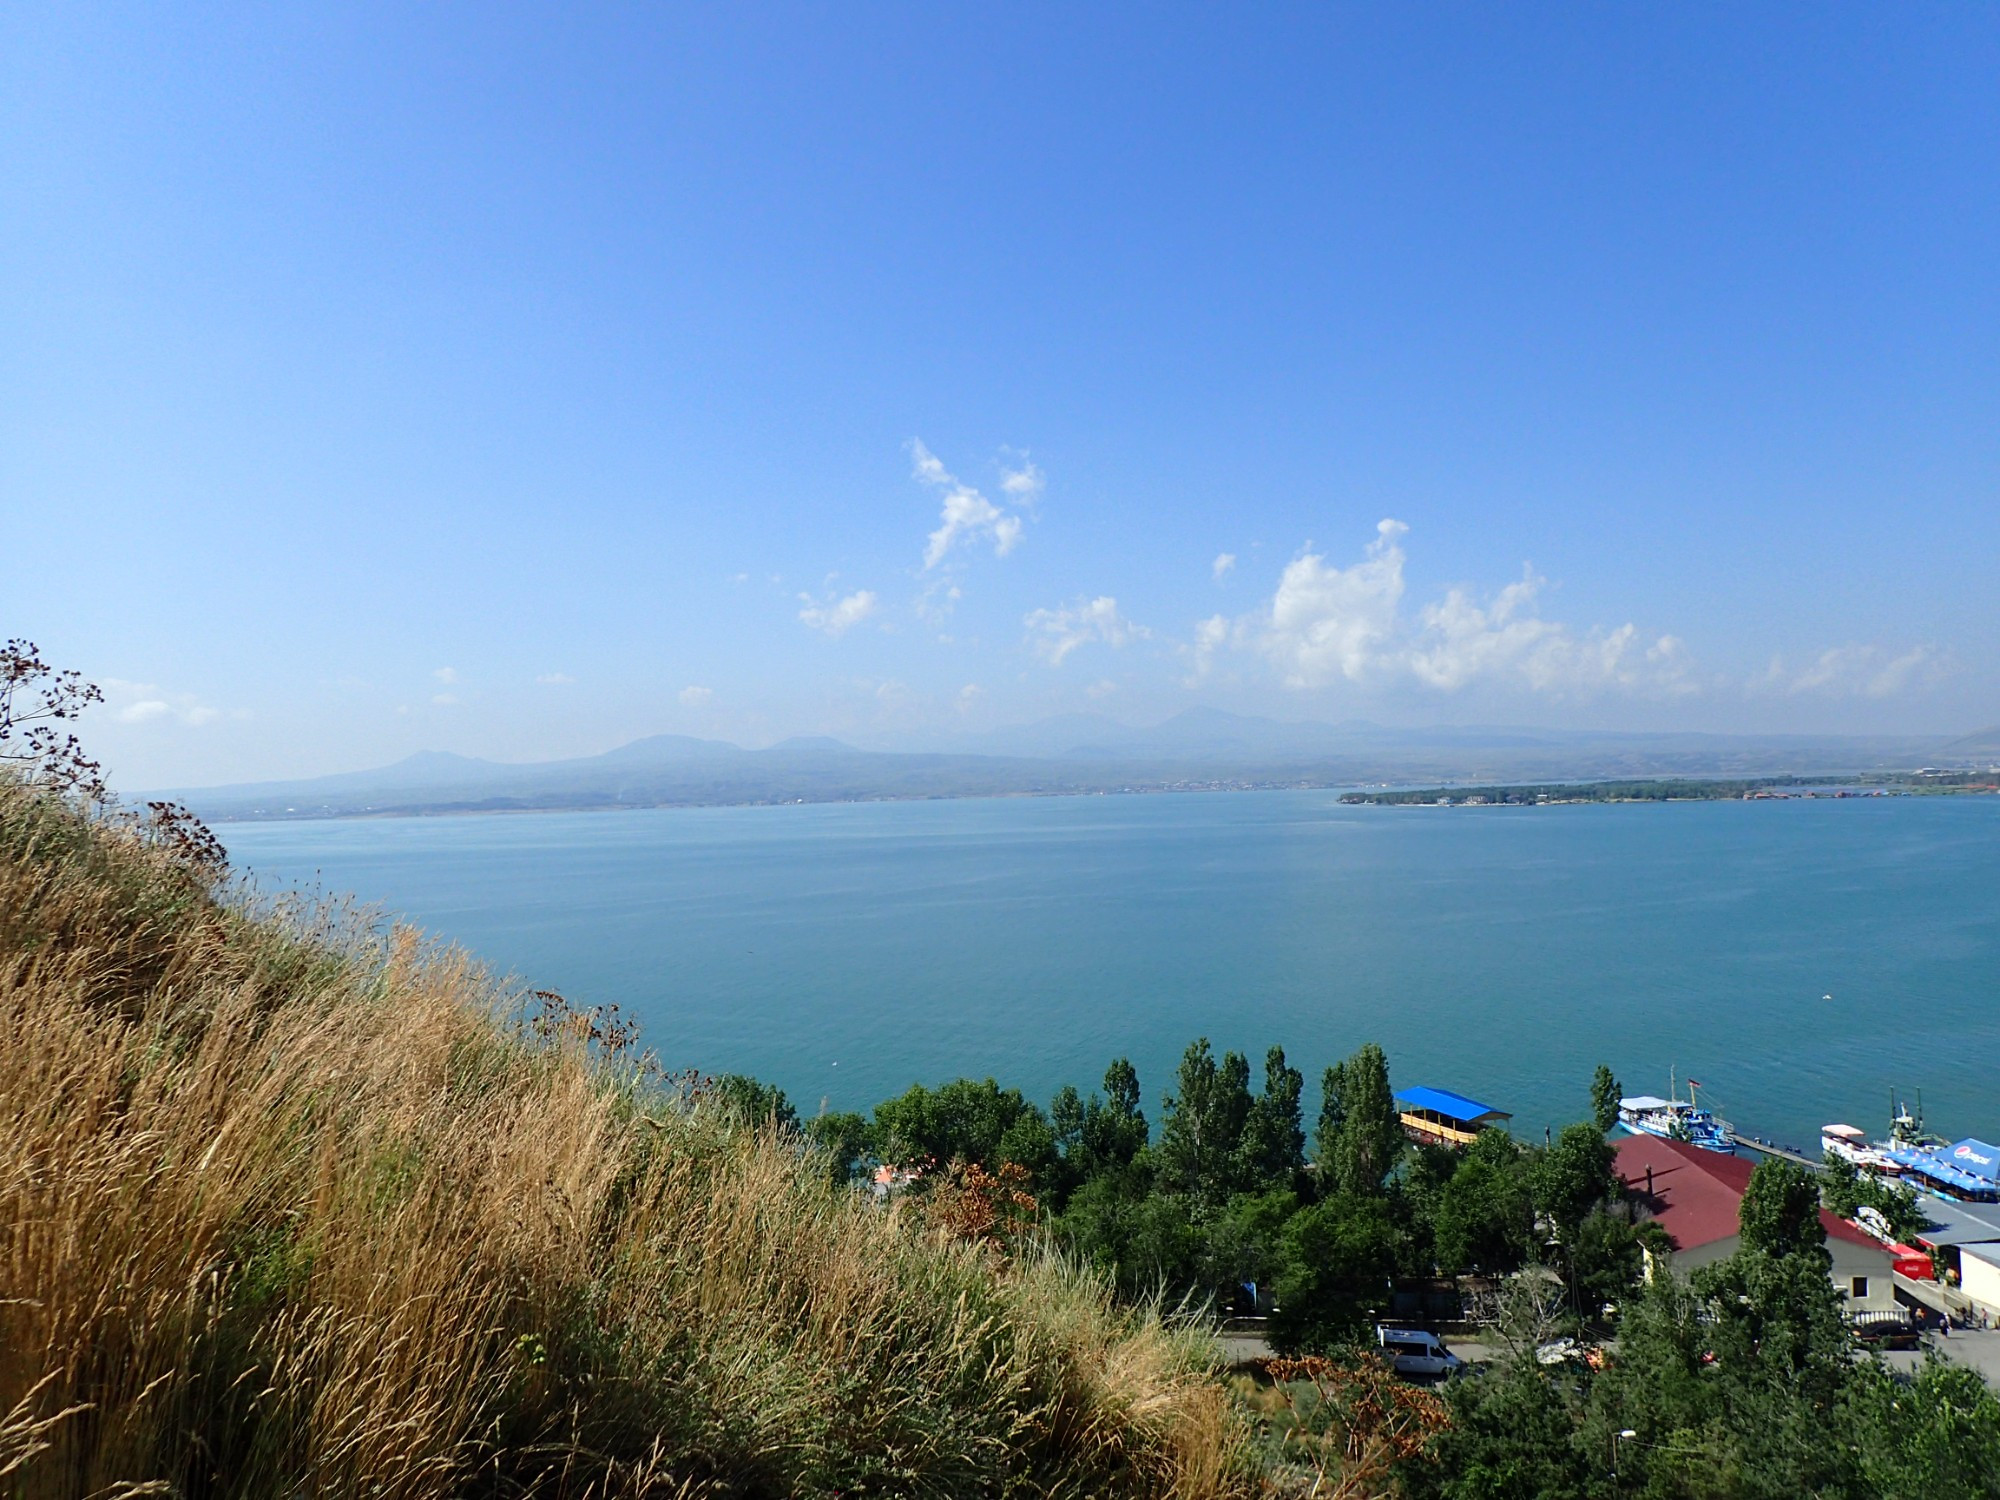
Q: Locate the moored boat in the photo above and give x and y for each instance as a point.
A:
(1850, 1144)
(1676, 1119)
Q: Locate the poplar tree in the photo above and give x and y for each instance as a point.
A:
(1201, 1128)
(1605, 1092)
(1105, 1134)
(1274, 1137)
(1367, 1138)
(1332, 1115)
(1122, 1129)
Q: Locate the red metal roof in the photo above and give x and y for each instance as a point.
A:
(1697, 1194)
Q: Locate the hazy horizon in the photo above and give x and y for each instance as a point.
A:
(521, 384)
(1247, 744)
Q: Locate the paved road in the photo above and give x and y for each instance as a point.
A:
(1975, 1348)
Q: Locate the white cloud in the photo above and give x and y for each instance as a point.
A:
(146, 703)
(935, 603)
(695, 697)
(1336, 622)
(1327, 624)
(834, 615)
(1023, 485)
(1104, 687)
(1855, 672)
(1210, 636)
(444, 700)
(969, 696)
(446, 675)
(1224, 561)
(1459, 642)
(1055, 633)
(968, 516)
(555, 679)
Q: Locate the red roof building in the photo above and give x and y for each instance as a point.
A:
(1697, 1197)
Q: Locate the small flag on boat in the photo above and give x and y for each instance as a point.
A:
(1696, 1083)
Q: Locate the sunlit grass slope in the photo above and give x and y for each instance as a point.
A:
(287, 1207)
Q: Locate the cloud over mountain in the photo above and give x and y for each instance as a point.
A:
(1055, 633)
(1327, 624)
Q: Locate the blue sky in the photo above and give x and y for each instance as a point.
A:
(519, 381)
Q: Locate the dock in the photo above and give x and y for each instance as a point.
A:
(1772, 1148)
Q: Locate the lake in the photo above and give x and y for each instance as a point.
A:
(847, 951)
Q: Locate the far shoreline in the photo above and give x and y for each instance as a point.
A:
(1619, 792)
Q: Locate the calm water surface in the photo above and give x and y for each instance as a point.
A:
(845, 952)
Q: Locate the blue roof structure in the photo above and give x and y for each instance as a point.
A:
(1451, 1106)
(1971, 1166)
(1976, 1159)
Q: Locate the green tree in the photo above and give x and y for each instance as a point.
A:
(1099, 1135)
(755, 1103)
(1605, 1262)
(1274, 1137)
(1483, 1215)
(1731, 1391)
(1843, 1190)
(1243, 1243)
(1111, 1132)
(1332, 1117)
(1779, 1214)
(1572, 1177)
(966, 1120)
(1605, 1092)
(846, 1141)
(1145, 1242)
(1937, 1436)
(1335, 1259)
(1201, 1126)
(1513, 1436)
(1359, 1138)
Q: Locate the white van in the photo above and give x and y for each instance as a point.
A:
(1417, 1354)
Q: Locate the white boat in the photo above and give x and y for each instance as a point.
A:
(1851, 1145)
(1676, 1120)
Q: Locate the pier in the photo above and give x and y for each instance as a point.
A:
(1772, 1148)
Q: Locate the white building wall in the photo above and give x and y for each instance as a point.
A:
(1979, 1277)
(1876, 1266)
(1869, 1263)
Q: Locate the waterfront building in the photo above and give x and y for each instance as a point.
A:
(1979, 1276)
(1964, 1241)
(1696, 1196)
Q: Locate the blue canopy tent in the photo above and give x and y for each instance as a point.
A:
(1969, 1169)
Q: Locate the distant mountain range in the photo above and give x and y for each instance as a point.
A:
(1070, 754)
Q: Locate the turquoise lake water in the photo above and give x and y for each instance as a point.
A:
(844, 952)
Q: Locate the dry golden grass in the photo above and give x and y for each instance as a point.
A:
(287, 1207)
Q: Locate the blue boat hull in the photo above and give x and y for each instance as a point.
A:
(1707, 1141)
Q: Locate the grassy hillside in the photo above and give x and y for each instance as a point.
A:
(288, 1206)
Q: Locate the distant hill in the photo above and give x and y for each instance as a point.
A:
(1983, 744)
(1071, 754)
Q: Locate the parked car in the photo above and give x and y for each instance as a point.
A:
(1418, 1355)
(1889, 1333)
